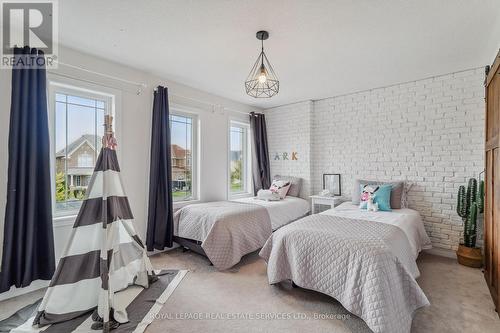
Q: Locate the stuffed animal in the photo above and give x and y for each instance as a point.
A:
(268, 195)
(368, 197)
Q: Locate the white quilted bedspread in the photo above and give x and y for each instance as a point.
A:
(228, 230)
(282, 212)
(355, 262)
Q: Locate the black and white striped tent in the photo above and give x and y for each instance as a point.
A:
(104, 255)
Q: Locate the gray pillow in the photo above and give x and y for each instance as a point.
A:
(295, 184)
(396, 192)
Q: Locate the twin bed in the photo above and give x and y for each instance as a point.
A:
(365, 260)
(225, 231)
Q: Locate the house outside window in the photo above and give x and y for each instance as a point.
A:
(183, 147)
(86, 160)
(239, 159)
(77, 118)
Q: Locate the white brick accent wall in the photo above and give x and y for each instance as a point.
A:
(428, 132)
(289, 130)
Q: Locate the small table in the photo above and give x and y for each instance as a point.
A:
(325, 200)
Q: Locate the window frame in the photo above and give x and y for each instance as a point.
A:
(247, 160)
(195, 129)
(75, 87)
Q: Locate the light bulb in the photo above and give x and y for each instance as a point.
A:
(262, 78)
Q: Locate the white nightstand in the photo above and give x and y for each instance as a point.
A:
(326, 201)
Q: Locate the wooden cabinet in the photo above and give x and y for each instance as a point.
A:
(492, 183)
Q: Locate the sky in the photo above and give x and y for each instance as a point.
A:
(86, 120)
(80, 120)
(236, 139)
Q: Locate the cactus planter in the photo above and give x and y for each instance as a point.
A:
(470, 257)
(470, 204)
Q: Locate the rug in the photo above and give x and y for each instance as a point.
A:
(143, 306)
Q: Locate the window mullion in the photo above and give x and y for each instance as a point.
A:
(66, 176)
(243, 160)
(95, 130)
(185, 158)
(191, 164)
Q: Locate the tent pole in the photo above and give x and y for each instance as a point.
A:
(108, 140)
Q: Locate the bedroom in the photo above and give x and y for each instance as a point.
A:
(379, 104)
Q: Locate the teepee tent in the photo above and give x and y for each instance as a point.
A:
(104, 255)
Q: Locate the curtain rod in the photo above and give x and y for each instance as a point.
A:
(140, 86)
(52, 72)
(212, 105)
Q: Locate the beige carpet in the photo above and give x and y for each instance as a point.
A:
(459, 298)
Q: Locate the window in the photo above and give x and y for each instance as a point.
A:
(77, 118)
(85, 160)
(239, 180)
(78, 180)
(183, 134)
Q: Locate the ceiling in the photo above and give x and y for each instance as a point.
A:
(318, 48)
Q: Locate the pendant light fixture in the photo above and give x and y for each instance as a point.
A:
(262, 82)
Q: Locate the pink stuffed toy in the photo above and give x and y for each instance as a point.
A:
(367, 197)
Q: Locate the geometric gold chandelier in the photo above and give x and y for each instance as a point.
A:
(262, 82)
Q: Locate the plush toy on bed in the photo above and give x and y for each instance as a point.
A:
(268, 195)
(277, 191)
(367, 198)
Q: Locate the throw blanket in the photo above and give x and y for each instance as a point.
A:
(352, 261)
(228, 230)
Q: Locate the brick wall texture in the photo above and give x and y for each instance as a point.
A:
(428, 132)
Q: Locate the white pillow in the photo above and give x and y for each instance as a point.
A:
(281, 187)
(268, 195)
(295, 184)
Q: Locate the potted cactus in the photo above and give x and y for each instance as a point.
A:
(470, 204)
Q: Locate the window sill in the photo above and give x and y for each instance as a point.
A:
(179, 204)
(63, 221)
(69, 220)
(240, 195)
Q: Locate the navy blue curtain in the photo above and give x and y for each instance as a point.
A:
(261, 173)
(28, 246)
(160, 230)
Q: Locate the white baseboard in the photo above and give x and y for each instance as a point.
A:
(441, 252)
(155, 251)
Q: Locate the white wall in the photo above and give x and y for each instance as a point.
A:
(134, 123)
(5, 83)
(428, 132)
(289, 130)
